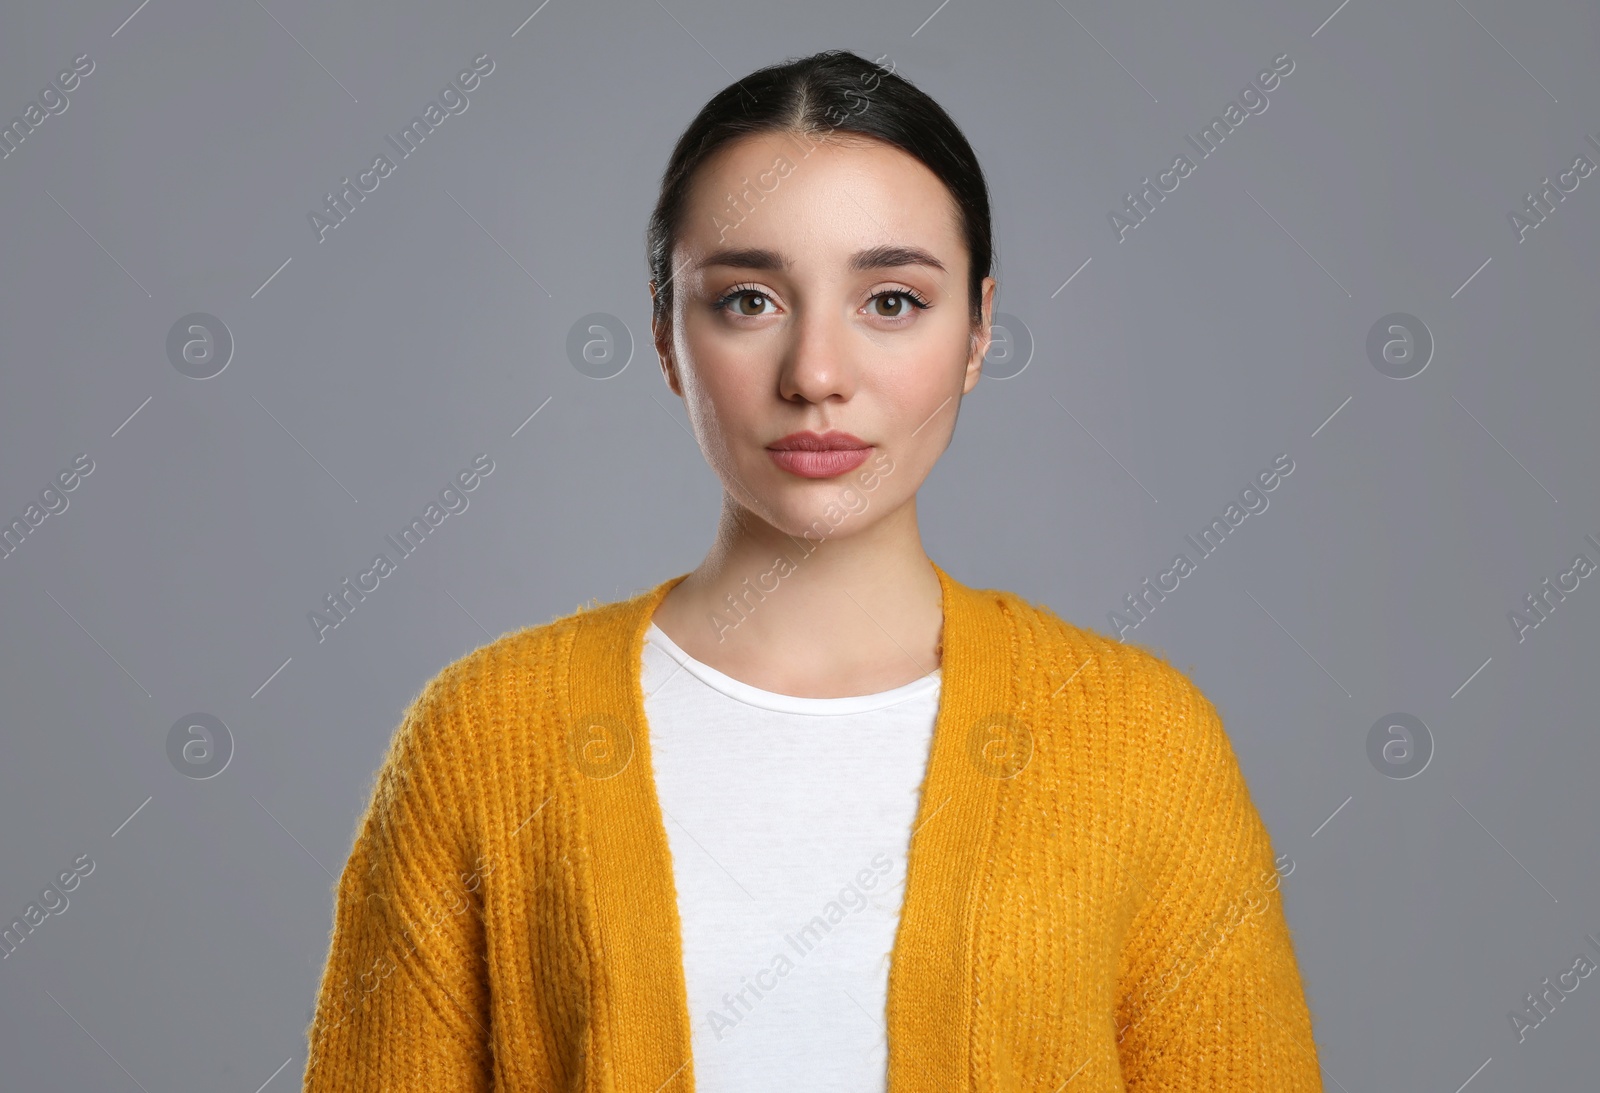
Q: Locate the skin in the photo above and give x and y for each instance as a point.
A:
(814, 346)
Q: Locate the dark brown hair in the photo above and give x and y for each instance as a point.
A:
(827, 93)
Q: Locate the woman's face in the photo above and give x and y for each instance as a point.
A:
(821, 291)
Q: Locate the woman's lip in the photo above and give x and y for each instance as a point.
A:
(827, 464)
(812, 441)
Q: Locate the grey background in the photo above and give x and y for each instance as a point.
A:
(427, 328)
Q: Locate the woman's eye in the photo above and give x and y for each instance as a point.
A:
(753, 303)
(746, 302)
(895, 305)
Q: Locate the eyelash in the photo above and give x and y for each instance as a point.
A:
(917, 300)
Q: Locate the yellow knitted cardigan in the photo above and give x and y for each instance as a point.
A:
(1091, 898)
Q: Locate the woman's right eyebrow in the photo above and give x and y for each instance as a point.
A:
(745, 258)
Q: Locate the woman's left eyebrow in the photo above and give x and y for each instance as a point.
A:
(889, 256)
(881, 257)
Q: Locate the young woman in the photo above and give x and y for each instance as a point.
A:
(815, 815)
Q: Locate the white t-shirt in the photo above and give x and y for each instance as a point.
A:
(788, 820)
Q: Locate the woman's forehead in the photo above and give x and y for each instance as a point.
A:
(795, 197)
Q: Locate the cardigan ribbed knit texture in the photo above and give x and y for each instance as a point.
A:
(1090, 893)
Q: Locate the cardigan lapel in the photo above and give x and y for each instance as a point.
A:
(930, 973)
(641, 1009)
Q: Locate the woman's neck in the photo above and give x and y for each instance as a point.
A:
(843, 615)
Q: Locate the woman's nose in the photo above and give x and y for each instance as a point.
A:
(818, 362)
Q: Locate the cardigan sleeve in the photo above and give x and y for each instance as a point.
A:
(1211, 996)
(403, 1000)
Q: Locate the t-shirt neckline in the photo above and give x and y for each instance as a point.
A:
(772, 700)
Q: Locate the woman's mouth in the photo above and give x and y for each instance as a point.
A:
(819, 455)
(824, 464)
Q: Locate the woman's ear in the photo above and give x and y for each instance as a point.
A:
(982, 336)
(661, 335)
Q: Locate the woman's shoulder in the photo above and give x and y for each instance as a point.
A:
(1124, 678)
(1094, 695)
(510, 680)
(511, 655)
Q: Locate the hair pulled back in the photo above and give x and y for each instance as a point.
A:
(834, 93)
